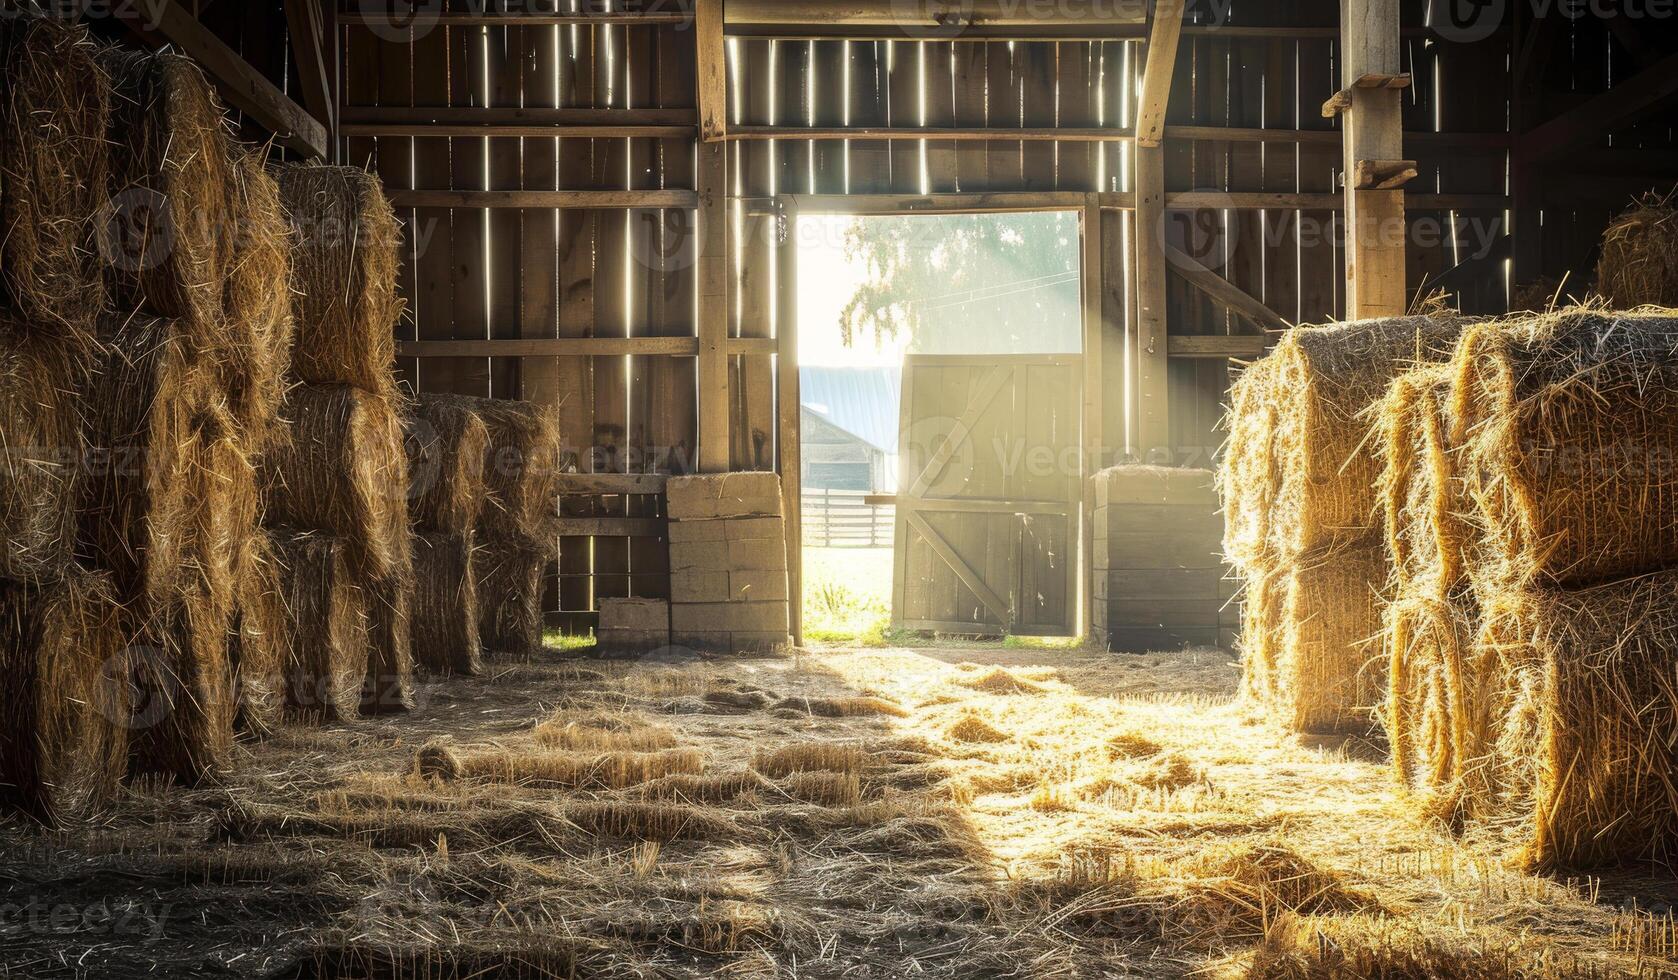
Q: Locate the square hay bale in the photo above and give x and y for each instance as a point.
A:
(444, 620)
(723, 495)
(1328, 674)
(389, 686)
(167, 230)
(326, 650)
(1328, 380)
(40, 453)
(256, 650)
(1585, 716)
(66, 708)
(147, 460)
(1638, 265)
(1570, 422)
(1426, 510)
(343, 276)
(448, 449)
(54, 112)
(1138, 484)
(342, 469)
(509, 577)
(259, 320)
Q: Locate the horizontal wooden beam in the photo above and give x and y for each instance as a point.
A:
(605, 484)
(507, 131)
(241, 85)
(516, 122)
(1242, 346)
(930, 19)
(1286, 201)
(423, 19)
(894, 204)
(829, 133)
(612, 527)
(582, 347)
(1249, 134)
(578, 200)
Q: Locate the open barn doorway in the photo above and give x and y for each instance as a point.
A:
(940, 422)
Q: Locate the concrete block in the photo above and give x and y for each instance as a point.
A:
(635, 614)
(723, 495)
(621, 642)
(698, 585)
(747, 528)
(757, 554)
(740, 643)
(699, 556)
(698, 532)
(757, 586)
(728, 617)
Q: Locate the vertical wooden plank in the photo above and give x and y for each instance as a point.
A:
(538, 313)
(1320, 273)
(1149, 353)
(711, 84)
(829, 99)
(788, 404)
(1076, 109)
(869, 167)
(612, 311)
(468, 170)
(903, 110)
(432, 230)
(715, 410)
(1373, 126)
(753, 426)
(1094, 383)
(1036, 62)
(971, 75)
(937, 67)
(504, 266)
(792, 62)
(1281, 173)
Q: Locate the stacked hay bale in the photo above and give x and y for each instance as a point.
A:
(335, 482)
(1299, 483)
(517, 533)
(1159, 583)
(1638, 265)
(728, 563)
(1534, 522)
(448, 450)
(64, 706)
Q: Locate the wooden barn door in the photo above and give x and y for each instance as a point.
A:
(987, 504)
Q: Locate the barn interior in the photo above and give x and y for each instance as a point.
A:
(789, 488)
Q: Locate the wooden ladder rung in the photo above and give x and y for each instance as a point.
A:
(1382, 175)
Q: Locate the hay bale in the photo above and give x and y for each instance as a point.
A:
(1586, 721)
(1328, 675)
(444, 618)
(343, 275)
(1249, 471)
(1328, 379)
(1437, 714)
(448, 449)
(509, 575)
(341, 469)
(389, 685)
(1569, 425)
(1639, 261)
(166, 231)
(258, 633)
(146, 442)
(40, 453)
(1265, 599)
(1425, 507)
(184, 701)
(521, 471)
(65, 707)
(258, 302)
(326, 649)
(54, 111)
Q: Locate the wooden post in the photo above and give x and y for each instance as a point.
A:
(1094, 273)
(1163, 31)
(790, 432)
(713, 308)
(712, 62)
(1374, 130)
(1149, 352)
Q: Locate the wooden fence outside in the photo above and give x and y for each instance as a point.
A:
(845, 519)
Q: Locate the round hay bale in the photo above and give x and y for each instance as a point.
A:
(1437, 716)
(1249, 470)
(388, 688)
(145, 458)
(1265, 598)
(259, 629)
(343, 275)
(54, 113)
(1639, 261)
(1328, 380)
(521, 471)
(326, 648)
(40, 453)
(1569, 425)
(165, 232)
(1330, 675)
(64, 733)
(448, 450)
(1586, 722)
(184, 701)
(509, 575)
(444, 619)
(258, 300)
(438, 760)
(341, 469)
(1425, 507)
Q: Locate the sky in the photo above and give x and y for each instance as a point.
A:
(826, 282)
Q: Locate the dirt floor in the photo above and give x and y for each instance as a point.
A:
(952, 813)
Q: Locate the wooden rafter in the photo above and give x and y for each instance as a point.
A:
(1163, 31)
(1223, 292)
(307, 32)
